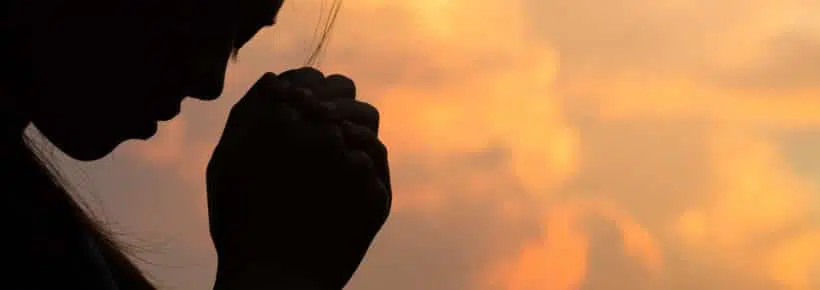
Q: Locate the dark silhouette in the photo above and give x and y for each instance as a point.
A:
(298, 185)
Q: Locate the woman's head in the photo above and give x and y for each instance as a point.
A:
(91, 74)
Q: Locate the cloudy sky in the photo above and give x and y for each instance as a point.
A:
(536, 144)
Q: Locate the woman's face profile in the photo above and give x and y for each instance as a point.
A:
(103, 71)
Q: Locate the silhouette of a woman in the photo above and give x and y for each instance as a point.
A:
(298, 185)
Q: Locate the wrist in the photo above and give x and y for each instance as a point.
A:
(247, 276)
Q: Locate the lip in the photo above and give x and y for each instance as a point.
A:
(148, 130)
(168, 111)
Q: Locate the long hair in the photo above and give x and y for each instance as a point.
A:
(322, 33)
(47, 182)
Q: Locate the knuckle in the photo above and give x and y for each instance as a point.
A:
(340, 87)
(268, 76)
(339, 77)
(370, 112)
(363, 114)
(340, 81)
(360, 158)
(361, 163)
(303, 76)
(380, 149)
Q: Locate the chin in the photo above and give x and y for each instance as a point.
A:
(88, 151)
(85, 143)
(83, 147)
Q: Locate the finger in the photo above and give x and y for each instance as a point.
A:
(364, 169)
(339, 87)
(305, 77)
(359, 138)
(256, 96)
(278, 122)
(360, 113)
(313, 109)
(312, 143)
(253, 105)
(328, 136)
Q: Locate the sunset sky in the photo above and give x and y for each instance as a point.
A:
(536, 145)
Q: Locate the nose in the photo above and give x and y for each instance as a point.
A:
(208, 78)
(206, 92)
(207, 87)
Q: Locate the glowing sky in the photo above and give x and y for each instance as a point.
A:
(538, 144)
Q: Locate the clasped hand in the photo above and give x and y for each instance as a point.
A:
(298, 185)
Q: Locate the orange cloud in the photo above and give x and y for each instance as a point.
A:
(676, 97)
(755, 197)
(794, 261)
(559, 259)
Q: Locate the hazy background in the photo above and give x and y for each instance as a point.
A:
(537, 144)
